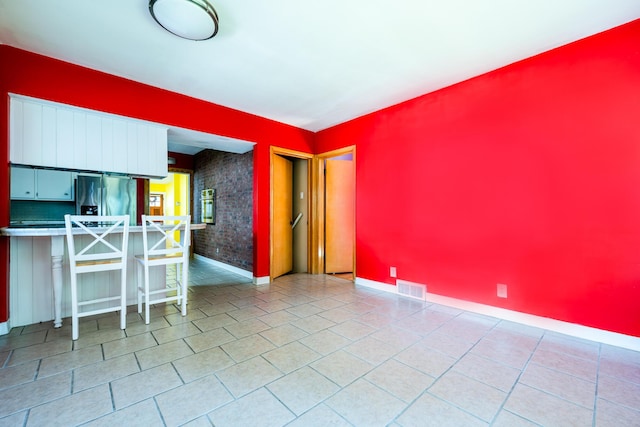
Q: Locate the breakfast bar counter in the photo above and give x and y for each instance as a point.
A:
(38, 281)
(20, 230)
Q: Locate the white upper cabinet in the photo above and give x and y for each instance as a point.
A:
(107, 154)
(16, 130)
(49, 136)
(56, 135)
(119, 146)
(32, 133)
(93, 135)
(54, 185)
(64, 138)
(131, 154)
(41, 184)
(23, 183)
(151, 150)
(26, 126)
(159, 149)
(79, 142)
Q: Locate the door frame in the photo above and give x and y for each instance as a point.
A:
(285, 152)
(317, 264)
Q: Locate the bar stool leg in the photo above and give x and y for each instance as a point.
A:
(123, 299)
(74, 307)
(146, 294)
(138, 285)
(183, 285)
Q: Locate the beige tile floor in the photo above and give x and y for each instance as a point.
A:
(310, 351)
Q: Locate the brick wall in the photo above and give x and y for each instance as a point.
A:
(230, 239)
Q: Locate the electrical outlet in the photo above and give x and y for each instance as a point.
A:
(392, 272)
(502, 290)
(217, 250)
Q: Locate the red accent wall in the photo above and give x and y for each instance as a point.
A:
(45, 78)
(183, 161)
(4, 197)
(527, 176)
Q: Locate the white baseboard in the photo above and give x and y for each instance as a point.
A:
(231, 268)
(264, 280)
(376, 285)
(571, 329)
(5, 327)
(244, 273)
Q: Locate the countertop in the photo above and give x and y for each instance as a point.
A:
(21, 230)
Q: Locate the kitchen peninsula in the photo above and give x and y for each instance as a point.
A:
(66, 159)
(39, 278)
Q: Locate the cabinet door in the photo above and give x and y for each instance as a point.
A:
(132, 147)
(120, 150)
(144, 152)
(64, 138)
(22, 183)
(159, 151)
(49, 136)
(94, 142)
(106, 129)
(32, 134)
(54, 185)
(80, 140)
(16, 134)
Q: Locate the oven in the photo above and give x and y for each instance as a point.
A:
(208, 206)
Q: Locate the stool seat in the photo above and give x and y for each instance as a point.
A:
(170, 259)
(105, 262)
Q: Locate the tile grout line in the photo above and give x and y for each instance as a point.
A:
(517, 381)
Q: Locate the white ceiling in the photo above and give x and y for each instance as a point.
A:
(188, 141)
(314, 63)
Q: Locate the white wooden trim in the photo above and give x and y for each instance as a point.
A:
(5, 327)
(376, 285)
(264, 280)
(571, 329)
(231, 268)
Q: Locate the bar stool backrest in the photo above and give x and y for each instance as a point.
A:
(99, 253)
(167, 245)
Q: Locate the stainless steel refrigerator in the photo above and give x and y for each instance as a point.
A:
(106, 195)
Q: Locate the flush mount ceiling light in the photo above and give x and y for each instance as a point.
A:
(189, 19)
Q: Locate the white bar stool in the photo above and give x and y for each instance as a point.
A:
(89, 252)
(166, 251)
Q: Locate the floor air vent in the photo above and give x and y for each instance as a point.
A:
(411, 290)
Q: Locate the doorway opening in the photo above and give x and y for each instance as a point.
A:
(171, 195)
(334, 233)
(290, 212)
(156, 204)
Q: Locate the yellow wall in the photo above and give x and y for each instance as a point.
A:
(176, 195)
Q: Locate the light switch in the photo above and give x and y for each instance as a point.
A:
(301, 195)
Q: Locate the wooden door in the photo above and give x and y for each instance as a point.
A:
(156, 204)
(339, 216)
(282, 257)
